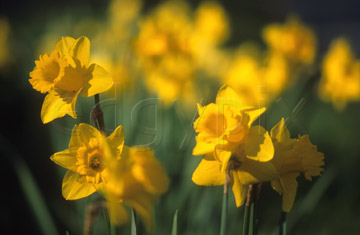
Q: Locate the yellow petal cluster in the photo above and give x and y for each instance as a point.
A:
(340, 82)
(66, 73)
(172, 45)
(292, 157)
(136, 179)
(257, 80)
(127, 176)
(231, 144)
(293, 39)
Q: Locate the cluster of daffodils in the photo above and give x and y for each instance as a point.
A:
(239, 154)
(127, 177)
(173, 49)
(260, 77)
(173, 45)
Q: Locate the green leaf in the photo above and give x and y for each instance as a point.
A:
(133, 223)
(224, 215)
(174, 225)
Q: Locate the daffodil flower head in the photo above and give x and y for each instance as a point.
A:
(224, 123)
(66, 73)
(88, 149)
(293, 39)
(340, 82)
(211, 23)
(231, 145)
(135, 179)
(292, 157)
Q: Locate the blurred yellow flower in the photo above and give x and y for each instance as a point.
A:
(163, 47)
(231, 145)
(210, 29)
(340, 82)
(257, 80)
(211, 23)
(292, 157)
(4, 43)
(293, 39)
(136, 179)
(88, 148)
(65, 74)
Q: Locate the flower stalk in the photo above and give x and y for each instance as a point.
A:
(92, 212)
(98, 115)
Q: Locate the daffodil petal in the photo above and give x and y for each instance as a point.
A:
(116, 139)
(98, 81)
(254, 113)
(80, 50)
(227, 96)
(142, 204)
(63, 47)
(223, 156)
(259, 145)
(57, 105)
(149, 171)
(66, 159)
(251, 172)
(75, 186)
(208, 173)
(239, 189)
(202, 147)
(84, 132)
(117, 211)
(289, 185)
(275, 184)
(280, 132)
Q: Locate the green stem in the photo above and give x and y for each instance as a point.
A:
(252, 219)
(246, 220)
(224, 214)
(133, 222)
(107, 221)
(174, 226)
(282, 223)
(98, 115)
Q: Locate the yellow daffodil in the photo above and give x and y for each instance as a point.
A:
(340, 82)
(292, 157)
(210, 29)
(258, 81)
(88, 148)
(163, 47)
(211, 23)
(5, 55)
(127, 176)
(231, 144)
(136, 179)
(293, 39)
(66, 73)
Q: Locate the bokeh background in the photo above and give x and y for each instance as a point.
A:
(31, 200)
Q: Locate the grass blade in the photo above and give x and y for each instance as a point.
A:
(174, 225)
(246, 221)
(282, 223)
(224, 215)
(133, 223)
(252, 219)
